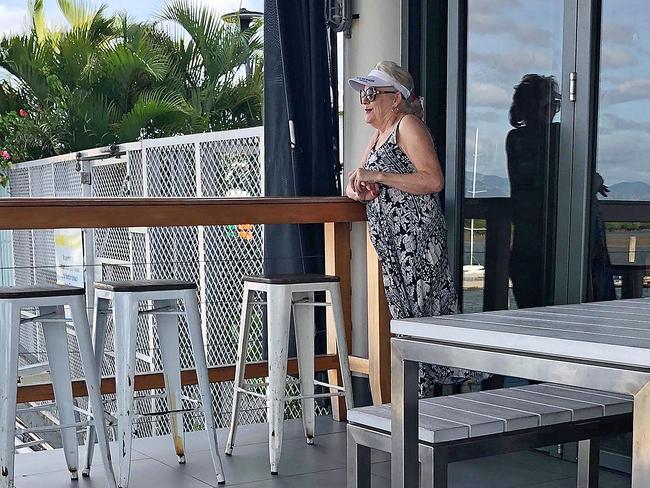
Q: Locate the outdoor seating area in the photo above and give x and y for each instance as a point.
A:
(455, 432)
(349, 243)
(323, 464)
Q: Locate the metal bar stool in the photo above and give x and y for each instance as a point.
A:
(287, 295)
(50, 301)
(165, 294)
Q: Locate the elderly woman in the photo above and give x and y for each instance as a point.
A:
(399, 178)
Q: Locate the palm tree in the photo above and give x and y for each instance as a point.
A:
(107, 79)
(210, 65)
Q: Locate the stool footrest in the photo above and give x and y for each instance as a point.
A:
(50, 428)
(164, 395)
(329, 385)
(339, 392)
(295, 303)
(168, 412)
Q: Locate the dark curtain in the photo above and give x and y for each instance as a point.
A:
(300, 86)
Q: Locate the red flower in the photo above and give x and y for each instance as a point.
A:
(23, 113)
(5, 155)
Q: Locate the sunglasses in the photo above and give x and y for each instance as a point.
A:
(370, 93)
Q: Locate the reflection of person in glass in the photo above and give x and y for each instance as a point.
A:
(532, 151)
(600, 286)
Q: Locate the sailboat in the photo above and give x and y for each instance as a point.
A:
(474, 270)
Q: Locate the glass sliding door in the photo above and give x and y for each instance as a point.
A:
(618, 241)
(515, 54)
(548, 156)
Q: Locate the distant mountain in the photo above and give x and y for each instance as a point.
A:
(487, 186)
(629, 190)
(497, 186)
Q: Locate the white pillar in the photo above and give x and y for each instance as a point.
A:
(376, 36)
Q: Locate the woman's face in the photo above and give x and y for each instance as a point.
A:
(377, 103)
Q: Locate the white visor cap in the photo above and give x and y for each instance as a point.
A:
(378, 78)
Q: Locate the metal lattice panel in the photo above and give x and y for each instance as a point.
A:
(23, 248)
(109, 179)
(67, 179)
(19, 182)
(171, 171)
(41, 181)
(231, 167)
(44, 260)
(135, 173)
(216, 258)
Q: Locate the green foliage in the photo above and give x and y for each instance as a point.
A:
(108, 79)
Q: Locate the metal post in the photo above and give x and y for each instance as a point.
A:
(405, 420)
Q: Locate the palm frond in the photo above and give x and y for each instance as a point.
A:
(35, 9)
(156, 112)
(79, 13)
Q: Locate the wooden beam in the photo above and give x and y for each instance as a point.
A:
(61, 213)
(378, 330)
(149, 381)
(359, 365)
(337, 262)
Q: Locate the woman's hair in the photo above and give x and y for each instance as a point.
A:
(535, 101)
(413, 105)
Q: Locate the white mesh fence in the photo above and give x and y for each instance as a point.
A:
(223, 164)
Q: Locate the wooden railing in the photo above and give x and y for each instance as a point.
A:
(336, 213)
(497, 213)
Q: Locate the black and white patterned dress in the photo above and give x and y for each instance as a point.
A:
(410, 237)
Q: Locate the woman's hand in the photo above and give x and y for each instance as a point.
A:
(363, 176)
(362, 190)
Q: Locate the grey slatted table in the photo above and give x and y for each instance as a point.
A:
(603, 346)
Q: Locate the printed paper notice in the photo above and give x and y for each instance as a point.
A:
(69, 255)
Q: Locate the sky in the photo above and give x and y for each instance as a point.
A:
(14, 18)
(510, 38)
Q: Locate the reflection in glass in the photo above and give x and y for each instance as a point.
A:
(511, 168)
(532, 153)
(622, 153)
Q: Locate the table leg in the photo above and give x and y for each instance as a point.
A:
(404, 425)
(641, 439)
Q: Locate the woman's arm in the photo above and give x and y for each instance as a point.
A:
(416, 142)
(355, 189)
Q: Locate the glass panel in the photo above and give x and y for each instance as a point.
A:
(618, 247)
(618, 266)
(514, 61)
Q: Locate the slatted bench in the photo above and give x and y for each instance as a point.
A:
(471, 425)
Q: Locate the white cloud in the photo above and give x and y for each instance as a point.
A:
(623, 156)
(627, 91)
(617, 57)
(619, 33)
(487, 95)
(12, 20)
(494, 22)
(507, 67)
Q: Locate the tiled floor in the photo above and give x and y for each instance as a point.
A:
(319, 466)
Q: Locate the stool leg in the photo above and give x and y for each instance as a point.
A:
(56, 345)
(303, 319)
(167, 326)
(358, 463)
(341, 343)
(240, 367)
(279, 316)
(198, 348)
(125, 312)
(99, 339)
(88, 362)
(9, 333)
